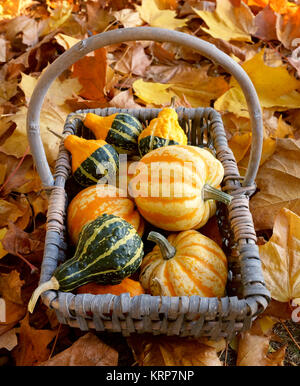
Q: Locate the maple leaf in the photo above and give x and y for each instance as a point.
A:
(275, 87)
(10, 286)
(288, 26)
(53, 115)
(88, 350)
(33, 344)
(134, 61)
(280, 257)
(156, 93)
(91, 73)
(228, 22)
(253, 346)
(156, 17)
(173, 351)
(128, 18)
(278, 181)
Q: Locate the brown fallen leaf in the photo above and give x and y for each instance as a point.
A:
(253, 347)
(280, 257)
(10, 286)
(91, 73)
(164, 350)
(88, 350)
(8, 340)
(28, 245)
(13, 314)
(133, 61)
(278, 181)
(124, 100)
(33, 344)
(288, 26)
(265, 23)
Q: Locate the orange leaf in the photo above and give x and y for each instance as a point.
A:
(91, 73)
(32, 344)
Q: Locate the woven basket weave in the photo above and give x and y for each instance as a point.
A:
(192, 316)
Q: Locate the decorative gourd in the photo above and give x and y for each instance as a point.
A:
(187, 263)
(133, 287)
(175, 187)
(109, 249)
(96, 200)
(121, 130)
(91, 159)
(162, 131)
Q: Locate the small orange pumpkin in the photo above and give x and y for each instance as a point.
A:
(187, 263)
(96, 200)
(175, 187)
(127, 285)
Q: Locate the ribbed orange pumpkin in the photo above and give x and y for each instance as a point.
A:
(175, 187)
(96, 200)
(187, 263)
(127, 285)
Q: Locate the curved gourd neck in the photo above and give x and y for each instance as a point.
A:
(51, 284)
(167, 250)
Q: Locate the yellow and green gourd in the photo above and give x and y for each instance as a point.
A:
(162, 131)
(91, 159)
(109, 250)
(121, 130)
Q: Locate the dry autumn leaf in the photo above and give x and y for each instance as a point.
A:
(253, 347)
(278, 181)
(88, 350)
(228, 22)
(172, 351)
(10, 287)
(91, 73)
(53, 115)
(156, 17)
(33, 344)
(275, 87)
(280, 257)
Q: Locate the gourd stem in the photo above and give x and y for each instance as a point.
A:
(51, 284)
(173, 99)
(167, 250)
(211, 193)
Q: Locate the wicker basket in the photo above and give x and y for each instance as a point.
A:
(192, 316)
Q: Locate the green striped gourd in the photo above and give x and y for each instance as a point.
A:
(109, 249)
(121, 130)
(91, 159)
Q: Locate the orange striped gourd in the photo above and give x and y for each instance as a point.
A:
(96, 200)
(175, 187)
(187, 263)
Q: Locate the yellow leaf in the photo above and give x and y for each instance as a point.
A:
(233, 101)
(66, 41)
(58, 17)
(228, 21)
(156, 17)
(239, 144)
(275, 87)
(53, 115)
(280, 257)
(3, 252)
(266, 323)
(155, 93)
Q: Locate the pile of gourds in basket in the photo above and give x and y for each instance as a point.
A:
(167, 184)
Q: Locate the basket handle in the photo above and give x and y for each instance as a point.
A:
(94, 42)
